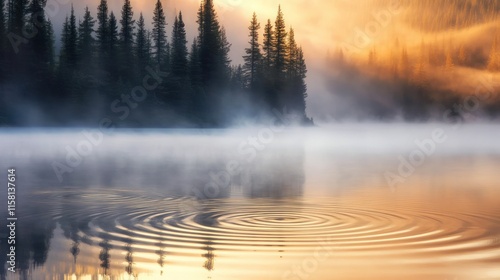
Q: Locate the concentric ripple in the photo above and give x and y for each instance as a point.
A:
(130, 220)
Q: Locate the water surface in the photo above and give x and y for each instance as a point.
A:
(302, 204)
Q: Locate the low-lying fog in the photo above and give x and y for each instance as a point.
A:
(183, 159)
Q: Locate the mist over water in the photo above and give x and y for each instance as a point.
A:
(257, 203)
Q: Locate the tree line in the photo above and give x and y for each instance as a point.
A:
(103, 57)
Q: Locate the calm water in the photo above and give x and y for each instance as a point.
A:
(309, 204)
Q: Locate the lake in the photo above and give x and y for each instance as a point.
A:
(344, 201)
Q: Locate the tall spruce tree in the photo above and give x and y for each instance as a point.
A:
(142, 48)
(68, 58)
(16, 42)
(178, 80)
(159, 35)
(301, 85)
(253, 55)
(214, 60)
(224, 59)
(238, 82)
(194, 66)
(209, 41)
(39, 54)
(168, 53)
(113, 47)
(268, 47)
(69, 39)
(51, 46)
(292, 56)
(179, 53)
(17, 13)
(281, 49)
(102, 30)
(63, 61)
(127, 41)
(199, 98)
(73, 38)
(86, 42)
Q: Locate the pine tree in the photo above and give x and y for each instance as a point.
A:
(73, 38)
(198, 105)
(63, 61)
(65, 69)
(51, 46)
(214, 60)
(194, 66)
(237, 79)
(127, 25)
(16, 42)
(296, 89)
(200, 21)
(113, 46)
(213, 47)
(224, 59)
(177, 82)
(281, 48)
(268, 81)
(268, 46)
(142, 47)
(301, 83)
(149, 44)
(86, 41)
(17, 13)
(289, 95)
(292, 56)
(37, 25)
(69, 41)
(102, 29)
(179, 57)
(168, 52)
(253, 55)
(127, 41)
(159, 35)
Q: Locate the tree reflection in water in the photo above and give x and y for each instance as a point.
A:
(104, 257)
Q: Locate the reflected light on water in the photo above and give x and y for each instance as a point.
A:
(299, 210)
